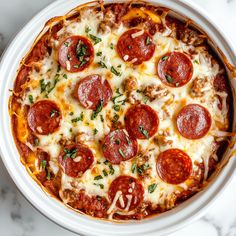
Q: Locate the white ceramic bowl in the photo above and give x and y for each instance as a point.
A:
(166, 222)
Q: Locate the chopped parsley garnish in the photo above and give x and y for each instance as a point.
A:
(95, 39)
(76, 66)
(56, 80)
(71, 113)
(111, 46)
(70, 153)
(133, 167)
(36, 141)
(196, 62)
(79, 118)
(128, 140)
(31, 100)
(102, 64)
(112, 171)
(143, 131)
(152, 187)
(169, 79)
(98, 177)
(81, 53)
(100, 185)
(104, 173)
(65, 76)
(54, 112)
(145, 99)
(87, 30)
(114, 71)
(164, 58)
(148, 41)
(142, 168)
(117, 141)
(43, 164)
(98, 109)
(177, 84)
(106, 162)
(121, 152)
(43, 86)
(66, 44)
(116, 107)
(115, 118)
(99, 54)
(102, 119)
(48, 175)
(117, 96)
(95, 131)
(129, 47)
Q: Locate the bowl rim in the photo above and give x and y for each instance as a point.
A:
(78, 223)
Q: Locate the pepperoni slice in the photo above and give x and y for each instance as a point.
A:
(75, 53)
(129, 192)
(193, 121)
(75, 159)
(93, 91)
(141, 121)
(135, 46)
(118, 146)
(44, 117)
(174, 166)
(175, 69)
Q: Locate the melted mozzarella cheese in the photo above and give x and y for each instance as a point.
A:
(199, 151)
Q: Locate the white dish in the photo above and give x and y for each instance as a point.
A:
(166, 222)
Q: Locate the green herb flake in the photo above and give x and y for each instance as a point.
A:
(98, 109)
(196, 62)
(36, 141)
(129, 47)
(112, 46)
(43, 164)
(79, 118)
(106, 162)
(133, 167)
(48, 175)
(152, 187)
(116, 107)
(102, 64)
(31, 100)
(56, 80)
(100, 185)
(95, 39)
(70, 153)
(142, 168)
(65, 76)
(95, 131)
(98, 54)
(42, 85)
(148, 41)
(117, 141)
(164, 58)
(115, 72)
(53, 113)
(112, 171)
(115, 118)
(71, 113)
(121, 153)
(76, 66)
(102, 119)
(66, 44)
(176, 84)
(98, 177)
(128, 140)
(104, 173)
(87, 30)
(169, 79)
(143, 131)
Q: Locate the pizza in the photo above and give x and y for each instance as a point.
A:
(121, 111)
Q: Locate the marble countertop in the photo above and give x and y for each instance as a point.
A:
(19, 218)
